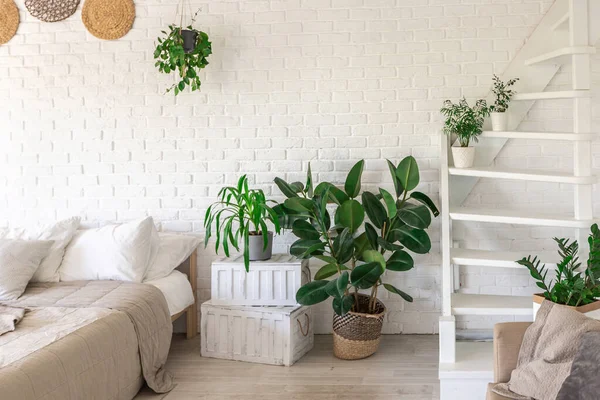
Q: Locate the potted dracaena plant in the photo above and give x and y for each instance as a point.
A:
(466, 123)
(240, 219)
(357, 253)
(572, 287)
(184, 52)
(503, 94)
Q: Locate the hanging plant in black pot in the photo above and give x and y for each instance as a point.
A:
(184, 52)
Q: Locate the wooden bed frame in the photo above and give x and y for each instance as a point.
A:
(191, 312)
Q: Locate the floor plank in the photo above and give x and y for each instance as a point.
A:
(406, 367)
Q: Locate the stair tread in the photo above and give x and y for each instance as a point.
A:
(515, 217)
(522, 174)
(504, 259)
(561, 94)
(558, 55)
(488, 304)
(570, 136)
(474, 360)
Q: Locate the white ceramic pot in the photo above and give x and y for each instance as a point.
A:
(463, 156)
(499, 121)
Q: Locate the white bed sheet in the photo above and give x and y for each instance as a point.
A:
(177, 290)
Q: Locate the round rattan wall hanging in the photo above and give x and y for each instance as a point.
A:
(108, 19)
(51, 10)
(9, 20)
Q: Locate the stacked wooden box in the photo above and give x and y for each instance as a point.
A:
(253, 316)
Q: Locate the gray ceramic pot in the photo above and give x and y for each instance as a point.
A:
(255, 247)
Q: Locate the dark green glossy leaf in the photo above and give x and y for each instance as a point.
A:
(423, 198)
(304, 230)
(287, 217)
(397, 185)
(415, 240)
(343, 305)
(361, 243)
(374, 256)
(389, 201)
(400, 260)
(352, 185)
(334, 191)
(417, 216)
(408, 173)
(299, 204)
(309, 182)
(303, 248)
(312, 293)
(343, 246)
(395, 290)
(371, 235)
(297, 186)
(285, 188)
(351, 214)
(327, 259)
(337, 287)
(387, 245)
(374, 209)
(366, 275)
(329, 270)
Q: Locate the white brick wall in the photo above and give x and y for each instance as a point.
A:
(86, 129)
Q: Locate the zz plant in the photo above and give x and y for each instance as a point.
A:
(571, 286)
(172, 58)
(239, 213)
(503, 94)
(369, 233)
(464, 121)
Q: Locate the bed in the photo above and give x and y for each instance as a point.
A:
(95, 339)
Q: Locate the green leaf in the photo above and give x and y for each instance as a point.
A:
(408, 173)
(374, 256)
(305, 230)
(309, 182)
(389, 201)
(343, 246)
(338, 194)
(343, 305)
(374, 209)
(397, 185)
(299, 204)
(352, 185)
(387, 245)
(329, 270)
(312, 293)
(371, 235)
(395, 290)
(285, 188)
(327, 259)
(415, 240)
(400, 260)
(337, 287)
(361, 243)
(417, 216)
(423, 198)
(351, 214)
(303, 248)
(366, 275)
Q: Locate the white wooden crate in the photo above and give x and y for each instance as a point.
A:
(277, 335)
(270, 282)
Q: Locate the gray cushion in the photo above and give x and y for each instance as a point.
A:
(583, 383)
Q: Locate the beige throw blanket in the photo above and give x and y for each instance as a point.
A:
(145, 305)
(547, 352)
(9, 317)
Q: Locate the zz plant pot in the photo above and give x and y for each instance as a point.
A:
(189, 40)
(255, 247)
(591, 310)
(499, 121)
(463, 156)
(357, 335)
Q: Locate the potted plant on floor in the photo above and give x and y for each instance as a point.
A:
(240, 219)
(185, 52)
(503, 95)
(466, 123)
(571, 287)
(356, 254)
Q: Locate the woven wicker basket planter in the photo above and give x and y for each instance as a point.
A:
(357, 335)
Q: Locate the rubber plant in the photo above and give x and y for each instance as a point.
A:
(172, 57)
(239, 213)
(369, 234)
(571, 286)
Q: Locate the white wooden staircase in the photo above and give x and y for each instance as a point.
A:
(566, 35)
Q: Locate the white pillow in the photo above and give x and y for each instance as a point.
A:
(60, 232)
(174, 249)
(19, 259)
(120, 252)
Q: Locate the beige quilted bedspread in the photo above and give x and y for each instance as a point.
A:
(101, 359)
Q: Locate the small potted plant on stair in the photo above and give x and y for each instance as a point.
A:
(359, 254)
(240, 219)
(466, 123)
(572, 287)
(503, 94)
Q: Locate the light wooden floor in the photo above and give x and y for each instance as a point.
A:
(405, 367)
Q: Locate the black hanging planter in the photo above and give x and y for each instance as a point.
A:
(189, 40)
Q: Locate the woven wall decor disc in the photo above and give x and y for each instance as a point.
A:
(108, 19)
(9, 20)
(51, 10)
